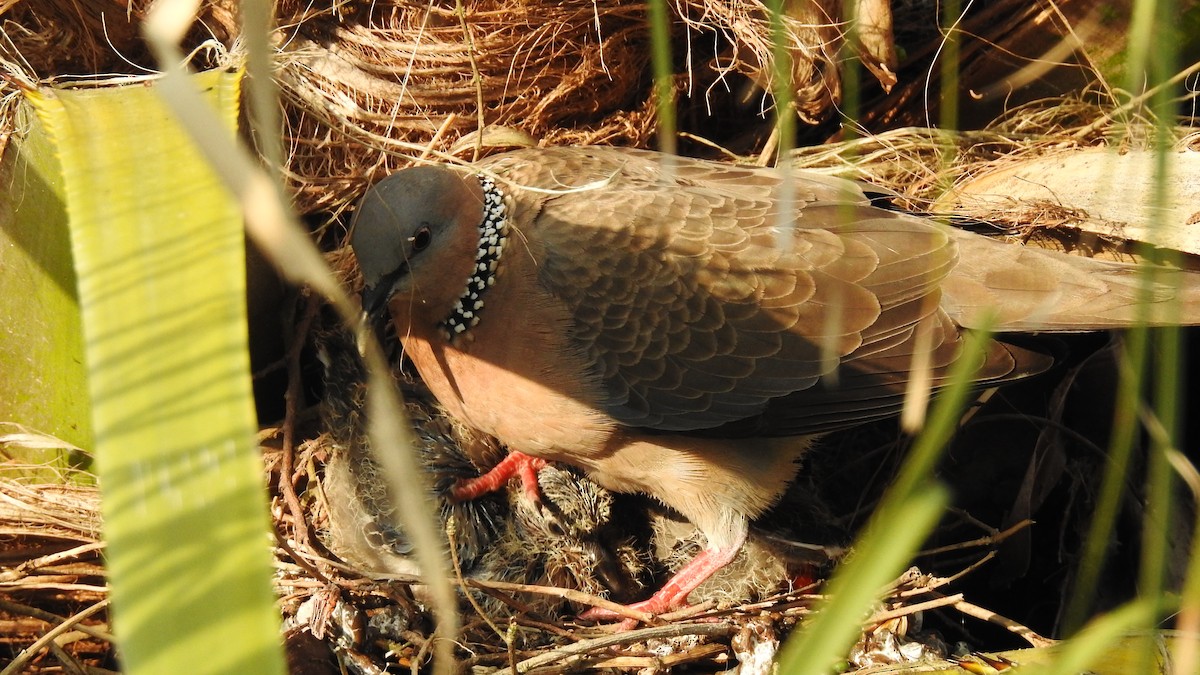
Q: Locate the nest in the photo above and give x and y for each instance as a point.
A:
(334, 613)
(50, 569)
(372, 90)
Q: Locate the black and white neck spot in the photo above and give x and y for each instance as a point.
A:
(493, 232)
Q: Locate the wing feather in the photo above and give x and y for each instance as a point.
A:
(702, 308)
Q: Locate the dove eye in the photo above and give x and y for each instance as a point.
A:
(420, 240)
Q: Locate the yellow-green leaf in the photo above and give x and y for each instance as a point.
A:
(41, 348)
(159, 254)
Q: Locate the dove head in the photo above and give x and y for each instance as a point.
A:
(431, 236)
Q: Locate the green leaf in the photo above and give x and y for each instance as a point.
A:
(159, 254)
(41, 346)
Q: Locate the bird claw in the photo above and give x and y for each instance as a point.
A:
(515, 464)
(659, 603)
(674, 594)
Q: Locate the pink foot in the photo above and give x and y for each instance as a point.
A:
(673, 595)
(515, 464)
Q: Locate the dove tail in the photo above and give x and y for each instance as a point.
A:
(1031, 289)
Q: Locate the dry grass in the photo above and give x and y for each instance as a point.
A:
(369, 91)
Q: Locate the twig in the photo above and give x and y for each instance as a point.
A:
(23, 570)
(437, 136)
(651, 633)
(566, 594)
(1012, 626)
(294, 394)
(69, 664)
(451, 530)
(968, 569)
(547, 628)
(422, 652)
(19, 661)
(50, 617)
(299, 560)
(938, 582)
(660, 663)
(907, 610)
(688, 611)
(1135, 102)
(476, 78)
(989, 540)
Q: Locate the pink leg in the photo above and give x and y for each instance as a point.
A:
(515, 464)
(675, 592)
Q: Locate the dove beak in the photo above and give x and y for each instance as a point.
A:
(375, 297)
(374, 300)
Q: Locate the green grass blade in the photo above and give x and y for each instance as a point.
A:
(781, 80)
(1103, 641)
(878, 557)
(664, 74)
(1154, 577)
(905, 517)
(158, 247)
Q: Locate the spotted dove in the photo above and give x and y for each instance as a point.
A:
(683, 328)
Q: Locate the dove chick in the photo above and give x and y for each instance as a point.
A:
(569, 539)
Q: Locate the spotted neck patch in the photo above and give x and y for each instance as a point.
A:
(493, 232)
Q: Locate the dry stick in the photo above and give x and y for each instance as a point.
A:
(476, 78)
(971, 520)
(966, 570)
(451, 531)
(483, 659)
(18, 662)
(938, 582)
(907, 610)
(50, 617)
(71, 588)
(688, 611)
(654, 632)
(437, 136)
(24, 569)
(989, 616)
(295, 393)
(659, 663)
(69, 663)
(988, 540)
(426, 644)
(300, 560)
(567, 594)
(546, 628)
(729, 154)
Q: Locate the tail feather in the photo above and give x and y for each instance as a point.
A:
(1029, 289)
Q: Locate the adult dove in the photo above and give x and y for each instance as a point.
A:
(683, 328)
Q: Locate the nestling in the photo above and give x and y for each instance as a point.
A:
(570, 540)
(683, 328)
